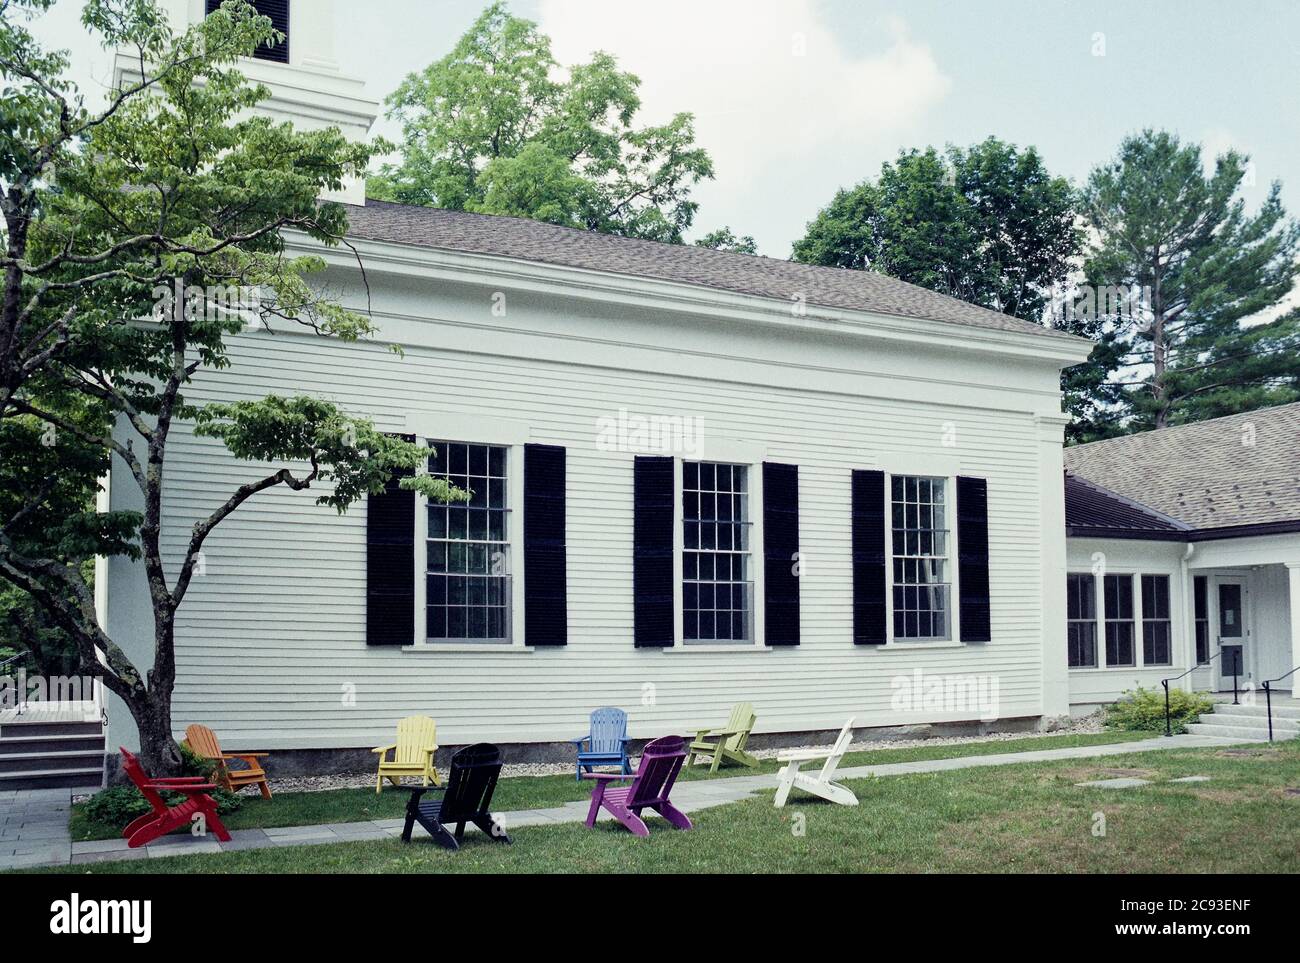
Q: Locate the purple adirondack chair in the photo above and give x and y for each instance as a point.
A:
(660, 763)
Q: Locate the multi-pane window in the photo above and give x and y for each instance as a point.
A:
(1119, 620)
(1081, 616)
(717, 589)
(920, 553)
(468, 549)
(1155, 620)
(1201, 604)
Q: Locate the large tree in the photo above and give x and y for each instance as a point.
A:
(1190, 267)
(496, 127)
(137, 239)
(987, 224)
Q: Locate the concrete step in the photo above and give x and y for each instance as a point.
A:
(1248, 722)
(50, 761)
(1229, 732)
(89, 779)
(23, 744)
(1259, 709)
(17, 728)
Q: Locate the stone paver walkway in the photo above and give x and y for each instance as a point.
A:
(46, 811)
(34, 827)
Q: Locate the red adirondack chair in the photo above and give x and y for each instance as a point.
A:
(660, 763)
(165, 818)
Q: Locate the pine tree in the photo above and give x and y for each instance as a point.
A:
(1190, 268)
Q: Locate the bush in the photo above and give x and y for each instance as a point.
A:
(118, 805)
(1143, 710)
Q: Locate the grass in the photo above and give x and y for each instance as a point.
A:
(355, 805)
(1016, 818)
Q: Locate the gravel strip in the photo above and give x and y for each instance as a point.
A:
(357, 780)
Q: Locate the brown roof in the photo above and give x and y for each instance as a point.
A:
(1091, 510)
(1232, 471)
(750, 274)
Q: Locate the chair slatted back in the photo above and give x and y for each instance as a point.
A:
(661, 761)
(742, 718)
(608, 729)
(414, 733)
(473, 779)
(203, 741)
(137, 775)
(841, 746)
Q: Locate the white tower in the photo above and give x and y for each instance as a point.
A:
(307, 87)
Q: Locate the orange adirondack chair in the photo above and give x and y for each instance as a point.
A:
(204, 742)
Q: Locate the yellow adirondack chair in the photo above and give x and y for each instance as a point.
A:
(412, 753)
(727, 742)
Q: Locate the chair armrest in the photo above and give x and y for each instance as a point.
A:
(188, 787)
(802, 755)
(429, 750)
(244, 755)
(580, 740)
(384, 748)
(178, 780)
(606, 776)
(702, 733)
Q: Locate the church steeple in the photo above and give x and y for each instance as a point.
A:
(302, 72)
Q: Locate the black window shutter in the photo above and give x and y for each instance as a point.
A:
(869, 585)
(973, 559)
(545, 579)
(780, 546)
(390, 564)
(652, 551)
(278, 11)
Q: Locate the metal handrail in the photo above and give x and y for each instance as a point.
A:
(1268, 697)
(1174, 678)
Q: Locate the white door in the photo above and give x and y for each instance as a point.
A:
(1233, 634)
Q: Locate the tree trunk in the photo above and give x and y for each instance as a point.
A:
(159, 754)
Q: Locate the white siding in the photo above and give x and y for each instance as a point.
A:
(273, 632)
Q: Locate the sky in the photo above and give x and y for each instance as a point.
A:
(795, 99)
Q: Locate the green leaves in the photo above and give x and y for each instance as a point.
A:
(987, 224)
(491, 128)
(343, 452)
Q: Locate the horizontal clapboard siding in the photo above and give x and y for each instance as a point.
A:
(272, 636)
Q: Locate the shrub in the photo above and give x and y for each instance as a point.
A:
(1143, 710)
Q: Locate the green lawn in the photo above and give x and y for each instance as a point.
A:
(1024, 818)
(354, 805)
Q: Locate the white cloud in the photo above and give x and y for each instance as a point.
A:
(785, 128)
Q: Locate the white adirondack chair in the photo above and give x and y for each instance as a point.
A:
(820, 784)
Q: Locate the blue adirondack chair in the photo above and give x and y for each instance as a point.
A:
(605, 744)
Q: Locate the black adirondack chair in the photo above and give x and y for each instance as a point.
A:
(465, 799)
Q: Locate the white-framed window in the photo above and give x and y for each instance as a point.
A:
(921, 563)
(1081, 619)
(1201, 617)
(1157, 634)
(1120, 632)
(717, 566)
(467, 582)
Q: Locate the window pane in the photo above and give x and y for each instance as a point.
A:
(716, 593)
(920, 547)
(468, 541)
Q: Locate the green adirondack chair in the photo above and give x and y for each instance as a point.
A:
(727, 742)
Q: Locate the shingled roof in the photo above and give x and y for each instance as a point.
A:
(765, 277)
(1237, 472)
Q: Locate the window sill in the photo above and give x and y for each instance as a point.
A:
(681, 649)
(919, 646)
(1119, 668)
(432, 648)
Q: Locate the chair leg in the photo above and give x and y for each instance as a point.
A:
(379, 783)
(493, 829)
(717, 759)
(265, 787)
(134, 825)
(445, 839)
(675, 817)
(787, 776)
(217, 827)
(634, 823)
